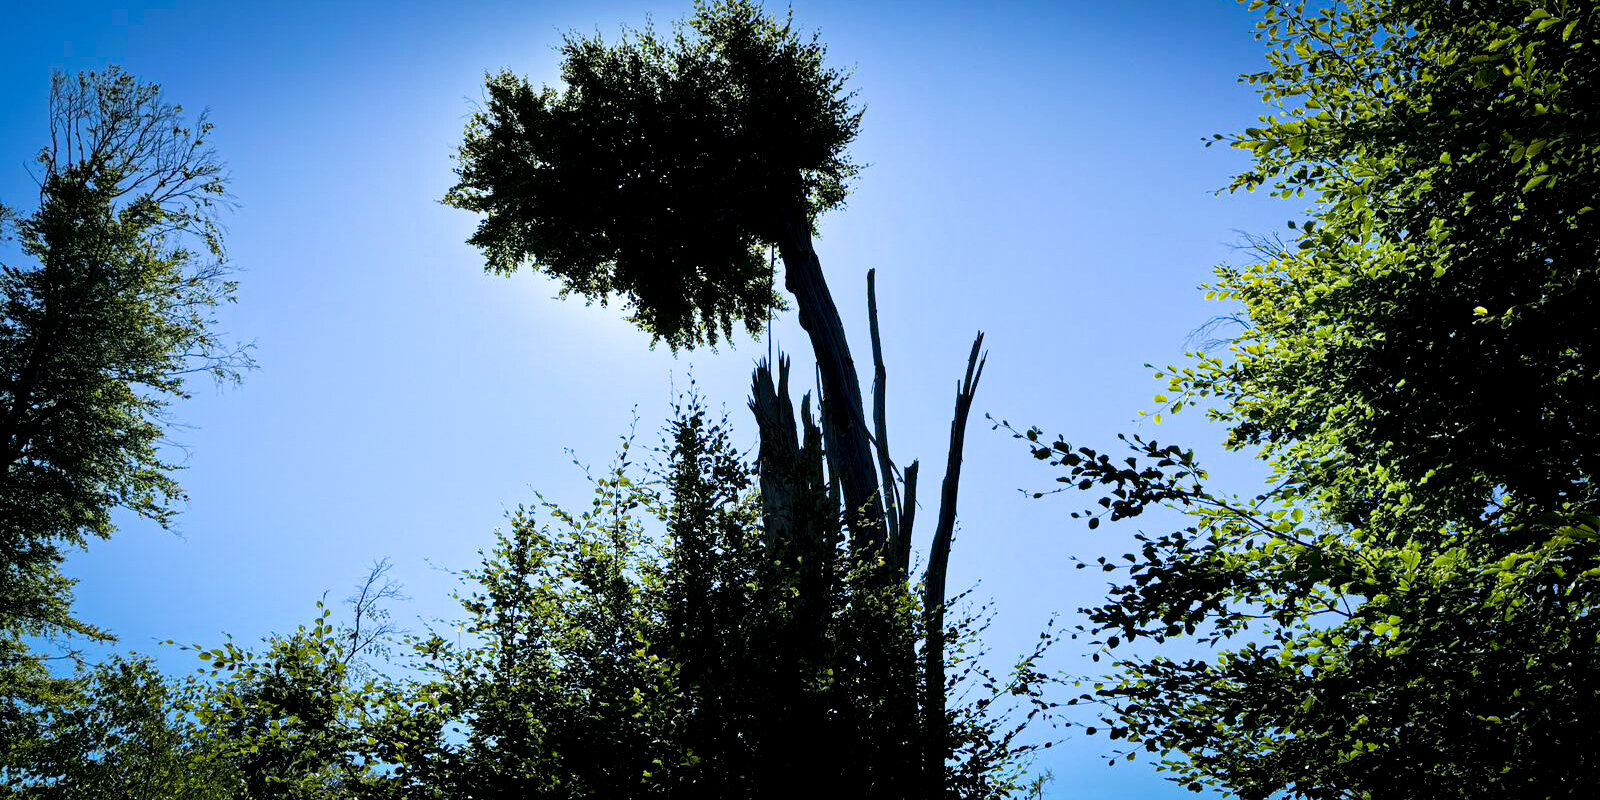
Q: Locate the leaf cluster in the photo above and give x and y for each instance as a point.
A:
(1424, 346)
(663, 167)
(1408, 609)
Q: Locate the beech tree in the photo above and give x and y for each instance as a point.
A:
(100, 325)
(1410, 609)
(121, 732)
(662, 172)
(299, 717)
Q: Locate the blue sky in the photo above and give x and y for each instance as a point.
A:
(1036, 172)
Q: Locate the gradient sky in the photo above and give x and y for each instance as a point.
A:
(1036, 172)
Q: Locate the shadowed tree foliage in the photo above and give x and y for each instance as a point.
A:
(1410, 610)
(663, 643)
(664, 168)
(663, 171)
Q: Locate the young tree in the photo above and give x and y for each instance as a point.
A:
(123, 732)
(295, 719)
(1410, 611)
(661, 644)
(97, 333)
(552, 685)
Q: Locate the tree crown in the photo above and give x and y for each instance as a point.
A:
(664, 167)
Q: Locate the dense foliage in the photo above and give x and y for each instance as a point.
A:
(662, 171)
(98, 328)
(600, 659)
(1409, 610)
(655, 644)
(118, 734)
(664, 167)
(292, 721)
(1426, 347)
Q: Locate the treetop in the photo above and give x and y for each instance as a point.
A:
(663, 167)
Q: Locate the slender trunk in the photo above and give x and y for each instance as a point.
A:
(935, 739)
(841, 409)
(898, 538)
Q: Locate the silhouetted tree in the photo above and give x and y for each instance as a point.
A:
(662, 644)
(662, 172)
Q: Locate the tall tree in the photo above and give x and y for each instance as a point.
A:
(98, 330)
(663, 171)
(1410, 611)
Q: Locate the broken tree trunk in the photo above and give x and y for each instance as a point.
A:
(935, 730)
(899, 535)
(792, 471)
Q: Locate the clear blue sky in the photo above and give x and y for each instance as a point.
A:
(1036, 171)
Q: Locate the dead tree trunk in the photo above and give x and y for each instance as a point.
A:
(935, 730)
(898, 517)
(800, 523)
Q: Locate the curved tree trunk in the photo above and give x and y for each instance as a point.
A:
(849, 441)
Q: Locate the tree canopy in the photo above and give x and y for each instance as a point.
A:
(1426, 346)
(98, 331)
(662, 171)
(664, 167)
(1408, 611)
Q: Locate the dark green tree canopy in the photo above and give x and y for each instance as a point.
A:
(108, 312)
(663, 167)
